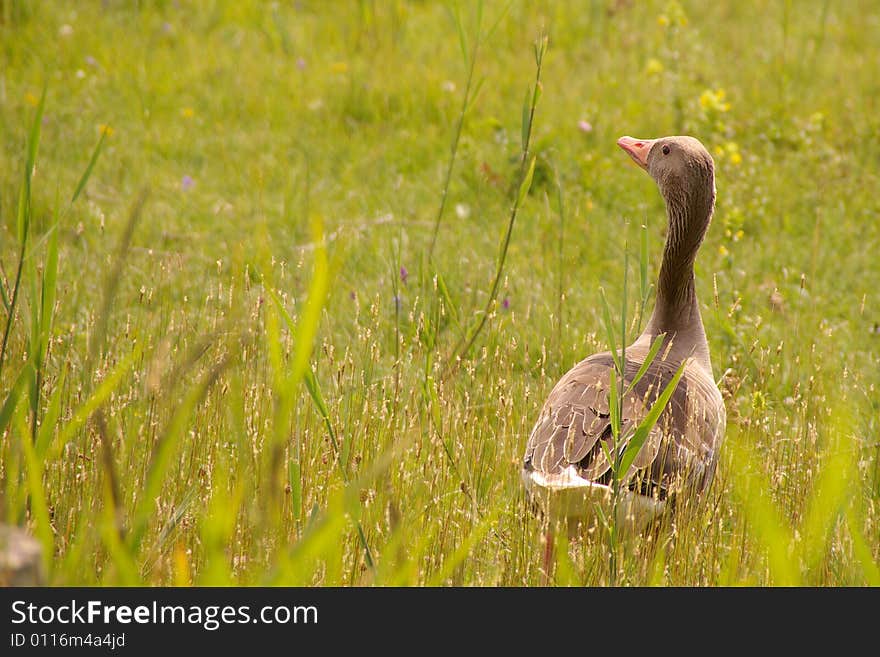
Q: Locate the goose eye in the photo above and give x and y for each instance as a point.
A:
(665, 149)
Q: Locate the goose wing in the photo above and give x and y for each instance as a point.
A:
(575, 422)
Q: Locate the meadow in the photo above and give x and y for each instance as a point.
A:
(285, 284)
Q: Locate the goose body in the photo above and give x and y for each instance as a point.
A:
(566, 470)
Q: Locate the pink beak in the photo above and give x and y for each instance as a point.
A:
(637, 149)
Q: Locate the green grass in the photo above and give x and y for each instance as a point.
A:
(226, 379)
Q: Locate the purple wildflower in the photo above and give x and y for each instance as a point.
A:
(506, 303)
(187, 183)
(404, 274)
(397, 301)
(301, 64)
(585, 126)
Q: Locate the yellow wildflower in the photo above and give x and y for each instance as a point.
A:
(663, 20)
(676, 14)
(714, 100)
(722, 251)
(105, 129)
(736, 159)
(187, 112)
(31, 100)
(339, 67)
(654, 67)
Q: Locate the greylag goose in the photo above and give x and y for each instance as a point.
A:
(566, 470)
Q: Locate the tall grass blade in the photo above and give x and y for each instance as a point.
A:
(462, 37)
(525, 124)
(526, 183)
(465, 103)
(48, 292)
(48, 424)
(647, 424)
(34, 138)
(643, 274)
(120, 556)
(609, 331)
(294, 479)
(772, 534)
(96, 343)
(41, 326)
(24, 220)
(831, 494)
(652, 354)
(461, 552)
(314, 391)
(37, 495)
(614, 408)
(643, 262)
(84, 179)
(12, 397)
(320, 542)
(862, 550)
(163, 451)
(4, 297)
(449, 305)
(305, 331)
(307, 327)
(217, 530)
(526, 171)
(97, 398)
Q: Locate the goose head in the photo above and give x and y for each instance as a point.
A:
(685, 173)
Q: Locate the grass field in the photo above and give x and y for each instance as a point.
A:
(284, 294)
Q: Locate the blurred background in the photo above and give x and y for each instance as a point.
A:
(301, 319)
